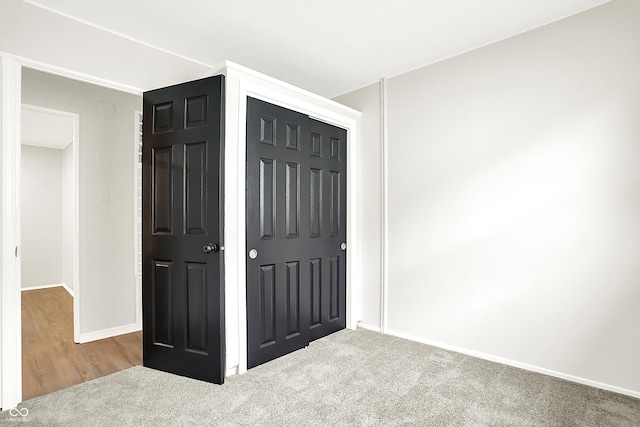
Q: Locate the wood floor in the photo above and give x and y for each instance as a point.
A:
(51, 360)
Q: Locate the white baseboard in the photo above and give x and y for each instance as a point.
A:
(108, 333)
(368, 327)
(517, 364)
(64, 285)
(229, 372)
(54, 285)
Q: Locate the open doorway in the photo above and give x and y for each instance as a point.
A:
(78, 284)
(49, 205)
(49, 236)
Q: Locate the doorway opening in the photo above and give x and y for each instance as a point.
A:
(107, 306)
(49, 201)
(49, 237)
(87, 330)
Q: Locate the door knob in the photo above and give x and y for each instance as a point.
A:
(253, 254)
(210, 247)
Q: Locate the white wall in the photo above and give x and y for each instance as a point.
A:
(107, 290)
(367, 101)
(514, 203)
(41, 211)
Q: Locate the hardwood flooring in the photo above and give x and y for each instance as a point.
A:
(51, 360)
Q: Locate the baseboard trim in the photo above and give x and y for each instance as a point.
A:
(108, 333)
(229, 372)
(53, 285)
(517, 364)
(369, 327)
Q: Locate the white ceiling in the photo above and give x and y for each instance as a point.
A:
(44, 128)
(326, 46)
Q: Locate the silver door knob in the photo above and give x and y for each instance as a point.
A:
(343, 246)
(253, 254)
(210, 247)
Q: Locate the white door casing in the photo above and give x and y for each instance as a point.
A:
(10, 298)
(241, 83)
(10, 280)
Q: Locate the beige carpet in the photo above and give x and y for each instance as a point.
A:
(357, 378)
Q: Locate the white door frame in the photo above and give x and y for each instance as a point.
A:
(10, 278)
(10, 298)
(240, 83)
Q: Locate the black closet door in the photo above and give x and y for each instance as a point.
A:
(296, 224)
(328, 228)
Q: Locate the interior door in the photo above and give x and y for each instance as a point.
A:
(328, 228)
(296, 227)
(183, 281)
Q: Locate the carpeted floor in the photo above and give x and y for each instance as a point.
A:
(358, 378)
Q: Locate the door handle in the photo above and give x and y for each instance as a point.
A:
(210, 247)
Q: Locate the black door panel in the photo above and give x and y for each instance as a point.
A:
(277, 279)
(328, 196)
(296, 222)
(183, 287)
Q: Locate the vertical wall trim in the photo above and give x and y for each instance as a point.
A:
(75, 244)
(383, 207)
(10, 297)
(137, 213)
